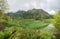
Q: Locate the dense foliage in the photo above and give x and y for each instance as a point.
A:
(3, 5)
(24, 29)
(56, 23)
(24, 24)
(37, 14)
(56, 20)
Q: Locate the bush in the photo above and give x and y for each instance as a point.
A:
(56, 23)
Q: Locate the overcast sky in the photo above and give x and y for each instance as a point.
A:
(48, 5)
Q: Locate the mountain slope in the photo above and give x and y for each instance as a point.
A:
(37, 14)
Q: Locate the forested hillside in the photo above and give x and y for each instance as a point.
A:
(37, 14)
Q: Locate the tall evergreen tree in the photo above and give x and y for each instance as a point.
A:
(3, 17)
(3, 6)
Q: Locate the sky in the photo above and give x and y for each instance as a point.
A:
(51, 6)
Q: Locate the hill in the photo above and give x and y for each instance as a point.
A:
(37, 14)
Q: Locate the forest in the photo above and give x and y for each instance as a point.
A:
(30, 24)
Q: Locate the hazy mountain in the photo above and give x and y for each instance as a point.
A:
(37, 14)
(16, 14)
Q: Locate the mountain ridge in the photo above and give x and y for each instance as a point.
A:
(37, 14)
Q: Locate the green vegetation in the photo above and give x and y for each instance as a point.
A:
(37, 14)
(56, 23)
(23, 29)
(29, 24)
(56, 20)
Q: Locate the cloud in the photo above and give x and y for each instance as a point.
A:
(26, 5)
(54, 4)
(51, 11)
(34, 4)
(48, 5)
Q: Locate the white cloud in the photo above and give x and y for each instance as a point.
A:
(50, 11)
(26, 5)
(34, 4)
(52, 5)
(42, 5)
